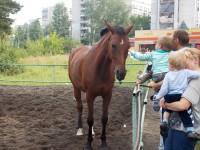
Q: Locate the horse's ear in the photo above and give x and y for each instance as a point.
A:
(109, 27)
(128, 29)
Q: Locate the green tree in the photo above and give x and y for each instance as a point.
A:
(115, 12)
(21, 36)
(48, 29)
(140, 23)
(7, 7)
(61, 22)
(35, 30)
(53, 44)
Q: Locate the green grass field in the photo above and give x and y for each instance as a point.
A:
(42, 73)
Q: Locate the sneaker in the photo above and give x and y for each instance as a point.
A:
(193, 135)
(156, 104)
(152, 97)
(164, 127)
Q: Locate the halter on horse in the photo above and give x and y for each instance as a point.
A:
(92, 70)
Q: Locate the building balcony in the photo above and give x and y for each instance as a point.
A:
(165, 19)
(166, 13)
(84, 28)
(84, 21)
(167, 1)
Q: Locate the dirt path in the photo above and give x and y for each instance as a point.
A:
(44, 118)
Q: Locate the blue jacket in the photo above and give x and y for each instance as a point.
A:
(159, 58)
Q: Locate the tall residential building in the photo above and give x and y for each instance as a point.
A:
(139, 7)
(80, 21)
(173, 14)
(47, 14)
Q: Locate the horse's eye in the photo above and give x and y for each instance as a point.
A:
(113, 46)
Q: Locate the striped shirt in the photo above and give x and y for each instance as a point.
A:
(175, 82)
(159, 58)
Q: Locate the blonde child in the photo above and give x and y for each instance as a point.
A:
(159, 59)
(174, 84)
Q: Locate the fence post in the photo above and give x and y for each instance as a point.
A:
(53, 73)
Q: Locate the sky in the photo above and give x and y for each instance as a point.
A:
(32, 9)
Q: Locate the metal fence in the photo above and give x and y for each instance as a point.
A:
(52, 74)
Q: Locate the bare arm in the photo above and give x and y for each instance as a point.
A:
(181, 105)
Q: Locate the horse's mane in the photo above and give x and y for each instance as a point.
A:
(106, 34)
(120, 30)
(104, 31)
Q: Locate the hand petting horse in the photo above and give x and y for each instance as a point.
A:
(93, 69)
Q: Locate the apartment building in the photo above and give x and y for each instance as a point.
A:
(139, 7)
(173, 14)
(47, 14)
(80, 21)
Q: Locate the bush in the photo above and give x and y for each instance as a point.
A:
(35, 48)
(7, 58)
(53, 44)
(70, 44)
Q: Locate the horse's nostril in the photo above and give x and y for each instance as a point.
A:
(120, 74)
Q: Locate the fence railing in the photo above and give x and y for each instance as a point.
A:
(51, 73)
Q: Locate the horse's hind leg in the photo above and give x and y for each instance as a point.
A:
(77, 95)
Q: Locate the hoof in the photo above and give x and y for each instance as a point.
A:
(79, 132)
(87, 147)
(104, 145)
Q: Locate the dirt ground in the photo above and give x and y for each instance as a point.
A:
(45, 118)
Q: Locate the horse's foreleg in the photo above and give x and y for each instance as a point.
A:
(90, 121)
(104, 121)
(104, 118)
(77, 95)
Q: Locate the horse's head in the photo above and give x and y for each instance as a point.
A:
(118, 48)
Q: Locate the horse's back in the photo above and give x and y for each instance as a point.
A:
(76, 65)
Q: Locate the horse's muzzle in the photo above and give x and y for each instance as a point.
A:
(120, 74)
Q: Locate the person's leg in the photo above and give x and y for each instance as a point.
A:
(178, 140)
(161, 143)
(186, 119)
(164, 126)
(166, 116)
(169, 140)
(187, 122)
(145, 77)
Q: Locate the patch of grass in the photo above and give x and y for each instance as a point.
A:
(42, 72)
(197, 147)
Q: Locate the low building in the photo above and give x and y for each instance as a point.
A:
(148, 38)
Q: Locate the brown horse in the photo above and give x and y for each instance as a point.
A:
(92, 70)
